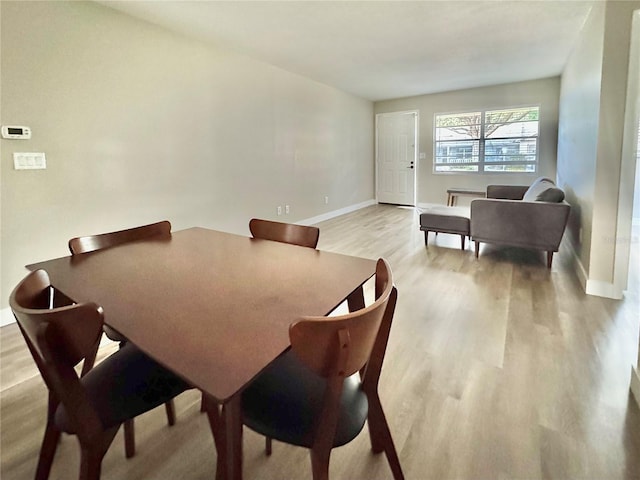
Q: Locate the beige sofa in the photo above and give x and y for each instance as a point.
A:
(532, 216)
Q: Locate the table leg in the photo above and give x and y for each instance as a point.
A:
(226, 427)
(355, 300)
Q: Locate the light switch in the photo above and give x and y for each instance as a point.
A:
(29, 161)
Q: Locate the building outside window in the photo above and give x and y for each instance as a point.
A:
(504, 140)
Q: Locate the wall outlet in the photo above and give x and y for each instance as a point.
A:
(326, 200)
(279, 210)
(29, 161)
(286, 209)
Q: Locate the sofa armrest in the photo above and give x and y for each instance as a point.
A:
(537, 225)
(508, 192)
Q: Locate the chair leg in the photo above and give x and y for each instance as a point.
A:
(426, 237)
(47, 451)
(129, 439)
(320, 464)
(90, 464)
(171, 412)
(380, 435)
(268, 445)
(91, 455)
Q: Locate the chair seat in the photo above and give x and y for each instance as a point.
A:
(123, 386)
(113, 334)
(285, 400)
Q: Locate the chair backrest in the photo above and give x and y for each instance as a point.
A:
(91, 243)
(319, 341)
(58, 339)
(338, 347)
(301, 235)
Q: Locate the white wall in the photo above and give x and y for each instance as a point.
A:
(593, 104)
(636, 198)
(432, 188)
(578, 129)
(139, 124)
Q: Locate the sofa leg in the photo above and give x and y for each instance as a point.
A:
(477, 249)
(462, 241)
(549, 258)
(426, 237)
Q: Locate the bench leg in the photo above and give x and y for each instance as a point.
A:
(477, 249)
(462, 241)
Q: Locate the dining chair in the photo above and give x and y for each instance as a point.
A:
(91, 243)
(302, 235)
(92, 407)
(319, 393)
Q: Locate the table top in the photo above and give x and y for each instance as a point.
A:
(470, 191)
(213, 307)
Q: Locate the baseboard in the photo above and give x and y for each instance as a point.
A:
(6, 317)
(635, 384)
(428, 205)
(581, 272)
(603, 289)
(597, 288)
(336, 213)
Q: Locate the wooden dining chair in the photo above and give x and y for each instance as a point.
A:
(92, 407)
(91, 243)
(302, 235)
(319, 394)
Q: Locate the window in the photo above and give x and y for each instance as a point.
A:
(490, 141)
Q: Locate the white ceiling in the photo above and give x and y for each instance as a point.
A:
(386, 49)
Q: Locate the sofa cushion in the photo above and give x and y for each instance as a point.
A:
(438, 218)
(536, 191)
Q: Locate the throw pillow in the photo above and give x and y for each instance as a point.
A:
(537, 187)
(552, 194)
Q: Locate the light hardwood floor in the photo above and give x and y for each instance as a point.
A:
(496, 368)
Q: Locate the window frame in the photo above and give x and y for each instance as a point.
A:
(481, 164)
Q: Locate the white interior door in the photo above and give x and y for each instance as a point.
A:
(396, 157)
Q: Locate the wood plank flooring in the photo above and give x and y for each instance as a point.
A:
(497, 368)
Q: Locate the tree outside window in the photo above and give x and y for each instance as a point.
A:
(503, 140)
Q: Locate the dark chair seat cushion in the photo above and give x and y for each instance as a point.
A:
(283, 402)
(125, 385)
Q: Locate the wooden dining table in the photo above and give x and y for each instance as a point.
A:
(213, 307)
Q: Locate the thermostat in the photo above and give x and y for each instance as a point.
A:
(16, 133)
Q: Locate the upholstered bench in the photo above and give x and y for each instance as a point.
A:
(441, 219)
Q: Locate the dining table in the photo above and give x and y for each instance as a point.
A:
(213, 307)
